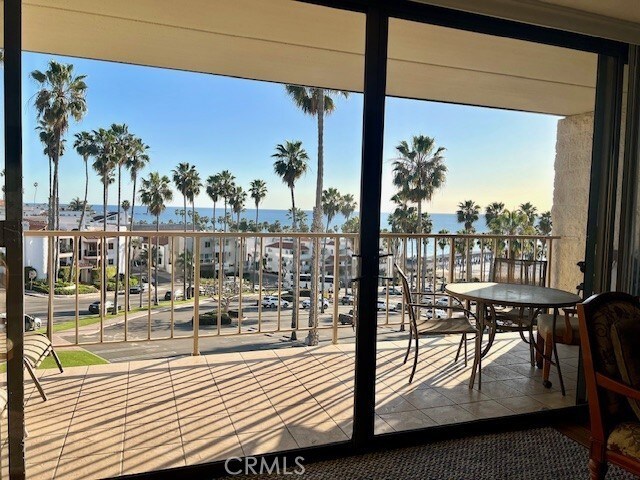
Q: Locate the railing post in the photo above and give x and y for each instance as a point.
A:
(452, 258)
(52, 286)
(336, 285)
(196, 298)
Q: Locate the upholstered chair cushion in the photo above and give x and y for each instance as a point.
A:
(625, 337)
(625, 439)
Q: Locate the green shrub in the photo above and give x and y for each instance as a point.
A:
(211, 318)
(64, 273)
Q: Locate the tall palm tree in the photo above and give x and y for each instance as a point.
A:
(347, 208)
(61, 97)
(138, 159)
(530, 211)
(227, 186)
(183, 176)
(85, 146)
(442, 243)
(213, 191)
(418, 171)
(316, 102)
(154, 193)
(193, 190)
(237, 201)
(468, 213)
(492, 212)
(258, 191)
(331, 205)
(126, 206)
(544, 224)
(290, 165)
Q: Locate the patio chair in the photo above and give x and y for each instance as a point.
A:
(457, 322)
(507, 319)
(37, 347)
(610, 335)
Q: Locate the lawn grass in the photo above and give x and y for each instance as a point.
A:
(68, 358)
(93, 319)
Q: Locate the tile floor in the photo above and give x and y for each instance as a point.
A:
(131, 417)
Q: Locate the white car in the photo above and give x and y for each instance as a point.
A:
(382, 305)
(272, 302)
(306, 303)
(437, 314)
(30, 322)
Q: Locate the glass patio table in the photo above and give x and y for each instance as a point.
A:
(488, 294)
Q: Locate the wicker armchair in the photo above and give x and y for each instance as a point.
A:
(610, 335)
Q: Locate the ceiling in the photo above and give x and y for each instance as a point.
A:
(294, 42)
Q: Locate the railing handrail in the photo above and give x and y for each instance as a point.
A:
(283, 235)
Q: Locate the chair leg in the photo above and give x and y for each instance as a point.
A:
(35, 380)
(548, 349)
(415, 360)
(406, 357)
(557, 359)
(455, 360)
(597, 464)
(466, 361)
(531, 346)
(539, 350)
(57, 360)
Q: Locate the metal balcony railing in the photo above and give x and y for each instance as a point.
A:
(254, 295)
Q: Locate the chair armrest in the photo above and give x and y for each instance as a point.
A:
(609, 383)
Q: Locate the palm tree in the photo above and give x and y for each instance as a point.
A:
(331, 205)
(61, 96)
(227, 186)
(138, 159)
(258, 190)
(442, 243)
(300, 219)
(530, 211)
(491, 212)
(154, 193)
(545, 224)
(104, 165)
(183, 177)
(290, 165)
(126, 206)
(347, 208)
(194, 186)
(236, 202)
(317, 102)
(418, 172)
(85, 146)
(76, 205)
(468, 213)
(213, 190)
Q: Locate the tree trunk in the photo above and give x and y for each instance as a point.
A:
(323, 267)
(316, 226)
(115, 294)
(422, 273)
(213, 219)
(255, 249)
(294, 271)
(155, 270)
(225, 215)
(184, 250)
(103, 260)
(56, 218)
(133, 211)
(86, 192)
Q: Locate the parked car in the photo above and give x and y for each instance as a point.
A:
(382, 305)
(272, 302)
(436, 314)
(142, 287)
(392, 290)
(306, 303)
(177, 295)
(346, 318)
(201, 290)
(347, 300)
(108, 307)
(30, 322)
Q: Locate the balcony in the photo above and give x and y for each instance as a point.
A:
(250, 388)
(144, 415)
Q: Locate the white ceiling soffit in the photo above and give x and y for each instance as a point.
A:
(293, 42)
(612, 19)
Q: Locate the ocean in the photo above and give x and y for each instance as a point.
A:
(440, 221)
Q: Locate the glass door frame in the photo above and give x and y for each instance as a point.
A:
(612, 54)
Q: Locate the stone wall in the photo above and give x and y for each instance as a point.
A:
(571, 198)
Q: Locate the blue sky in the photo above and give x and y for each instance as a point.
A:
(221, 123)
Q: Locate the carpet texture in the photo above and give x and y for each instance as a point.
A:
(537, 454)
